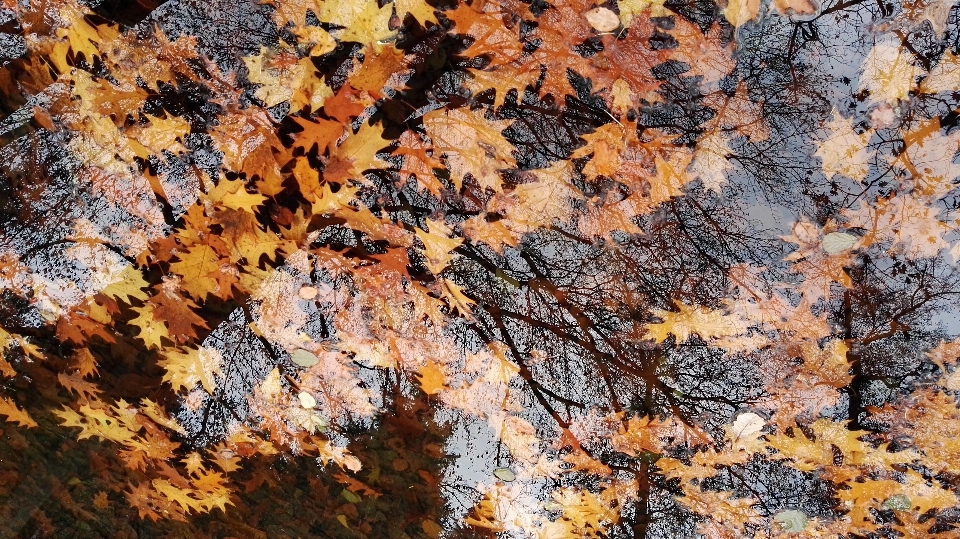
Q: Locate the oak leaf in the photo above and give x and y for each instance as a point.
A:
(471, 144)
(152, 331)
(21, 417)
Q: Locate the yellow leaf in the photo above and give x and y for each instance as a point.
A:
(187, 369)
(419, 9)
(472, 144)
(690, 320)
(859, 498)
(364, 21)
(432, 379)
(456, 299)
(196, 265)
(925, 497)
(96, 422)
(151, 329)
(361, 149)
(282, 75)
(631, 8)
(129, 284)
(438, 249)
(843, 151)
(9, 409)
(943, 77)
(889, 71)
(161, 134)
(740, 12)
(79, 36)
(159, 416)
(233, 194)
(320, 41)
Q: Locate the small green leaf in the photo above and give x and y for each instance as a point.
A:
(350, 496)
(792, 520)
(836, 242)
(505, 474)
(304, 358)
(897, 502)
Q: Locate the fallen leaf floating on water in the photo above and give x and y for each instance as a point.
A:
(649, 258)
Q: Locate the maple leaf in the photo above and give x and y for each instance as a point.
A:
(383, 73)
(945, 353)
(418, 159)
(710, 162)
(935, 12)
(126, 283)
(929, 160)
(889, 71)
(640, 434)
(187, 369)
(909, 224)
(279, 74)
(631, 60)
(546, 201)
(706, 323)
(671, 176)
(843, 150)
(176, 312)
(319, 40)
(738, 111)
(363, 21)
(494, 233)
(705, 52)
(161, 134)
(356, 154)
(943, 77)
(490, 35)
(198, 266)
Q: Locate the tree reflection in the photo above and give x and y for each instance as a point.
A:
(653, 300)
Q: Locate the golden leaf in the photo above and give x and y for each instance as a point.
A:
(21, 417)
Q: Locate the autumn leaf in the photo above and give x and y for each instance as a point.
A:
(186, 369)
(14, 414)
(740, 12)
(690, 320)
(233, 194)
(844, 151)
(889, 71)
(471, 144)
